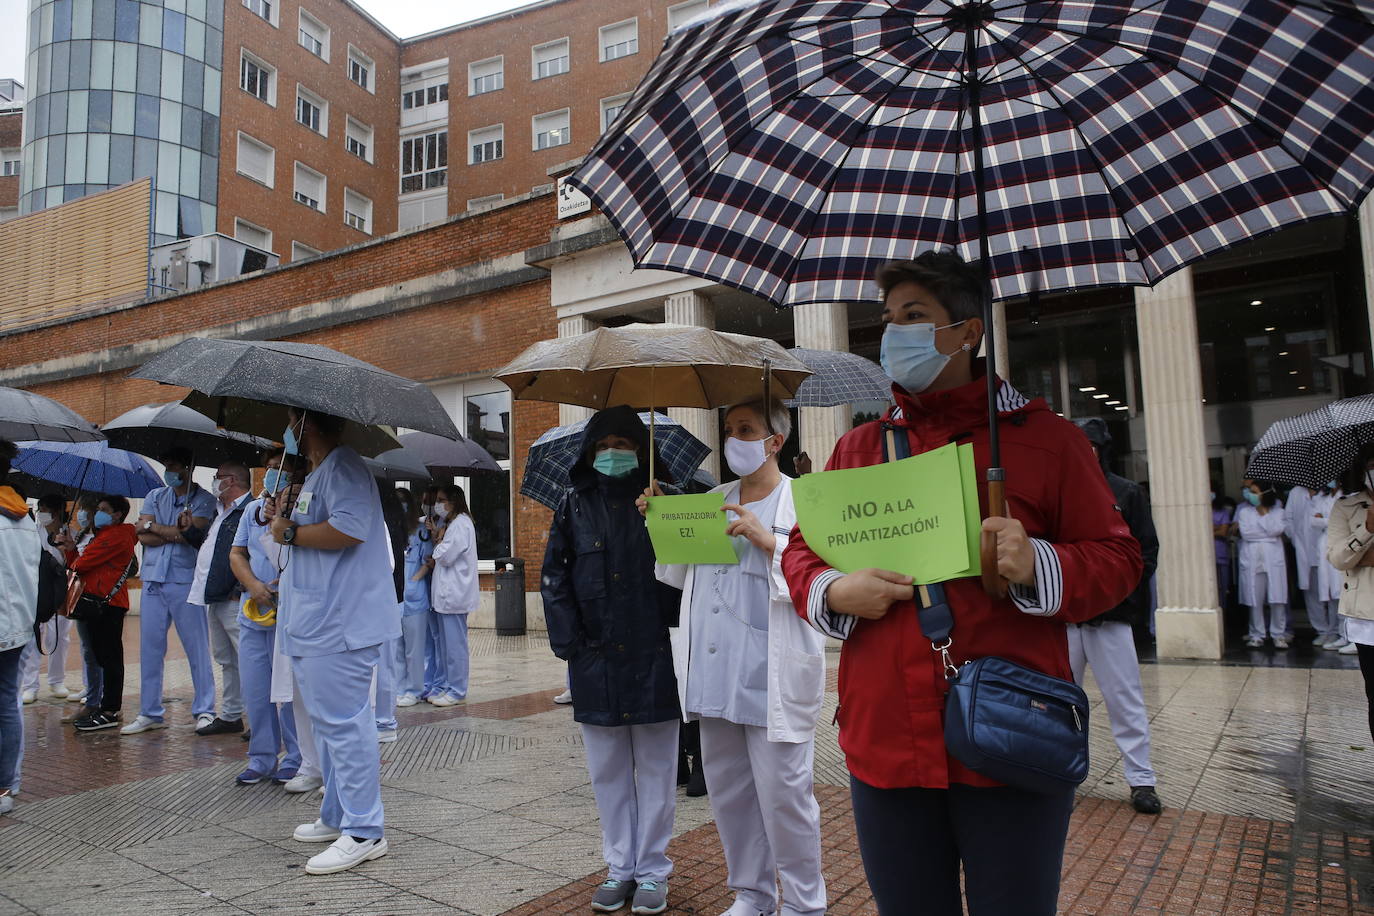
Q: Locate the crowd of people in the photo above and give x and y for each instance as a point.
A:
(327, 601)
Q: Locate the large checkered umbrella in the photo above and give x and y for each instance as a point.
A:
(789, 147)
(1315, 447)
(839, 377)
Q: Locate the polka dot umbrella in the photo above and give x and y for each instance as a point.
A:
(1310, 449)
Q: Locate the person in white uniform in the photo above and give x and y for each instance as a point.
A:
(753, 673)
(1349, 537)
(1263, 578)
(338, 608)
(1324, 595)
(54, 636)
(454, 591)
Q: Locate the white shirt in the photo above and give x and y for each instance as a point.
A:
(454, 584)
(206, 554)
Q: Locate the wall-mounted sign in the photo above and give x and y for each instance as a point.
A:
(571, 202)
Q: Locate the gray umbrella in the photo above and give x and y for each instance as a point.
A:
(449, 457)
(251, 381)
(839, 377)
(153, 429)
(399, 464)
(27, 416)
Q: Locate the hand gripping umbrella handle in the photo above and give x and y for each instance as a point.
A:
(993, 583)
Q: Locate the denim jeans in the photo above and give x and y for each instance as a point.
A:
(11, 722)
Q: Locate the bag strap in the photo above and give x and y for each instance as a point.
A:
(128, 570)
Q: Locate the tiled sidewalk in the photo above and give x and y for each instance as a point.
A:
(1268, 776)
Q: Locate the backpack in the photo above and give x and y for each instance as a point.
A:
(52, 592)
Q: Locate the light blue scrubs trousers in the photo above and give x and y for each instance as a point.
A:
(385, 699)
(408, 659)
(274, 730)
(164, 604)
(453, 655)
(337, 692)
(434, 667)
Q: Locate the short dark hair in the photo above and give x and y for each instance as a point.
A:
(180, 455)
(1353, 480)
(54, 501)
(327, 424)
(118, 503)
(957, 283)
(8, 452)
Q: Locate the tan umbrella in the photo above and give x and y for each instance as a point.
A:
(647, 366)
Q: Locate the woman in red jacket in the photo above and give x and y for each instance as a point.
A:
(1067, 554)
(101, 566)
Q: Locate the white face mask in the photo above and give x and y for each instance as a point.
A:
(745, 457)
(44, 519)
(219, 486)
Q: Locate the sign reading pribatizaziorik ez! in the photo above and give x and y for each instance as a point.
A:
(909, 516)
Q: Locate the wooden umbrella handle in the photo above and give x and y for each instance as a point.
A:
(993, 583)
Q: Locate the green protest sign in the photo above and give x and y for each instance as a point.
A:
(973, 515)
(909, 516)
(690, 529)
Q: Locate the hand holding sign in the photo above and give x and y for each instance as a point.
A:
(868, 593)
(748, 525)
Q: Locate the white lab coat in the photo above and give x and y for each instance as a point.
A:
(1297, 511)
(796, 652)
(1261, 552)
(1329, 578)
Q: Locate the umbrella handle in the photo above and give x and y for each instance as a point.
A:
(993, 583)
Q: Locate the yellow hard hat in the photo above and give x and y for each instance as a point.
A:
(266, 618)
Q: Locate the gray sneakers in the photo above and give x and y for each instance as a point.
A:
(650, 897)
(611, 895)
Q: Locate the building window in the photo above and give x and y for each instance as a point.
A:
(610, 110)
(314, 35)
(257, 78)
(551, 129)
(486, 144)
(309, 187)
(550, 59)
(486, 420)
(486, 75)
(425, 95)
(300, 252)
(357, 211)
(480, 203)
(424, 161)
(619, 40)
(360, 68)
(255, 160)
(252, 234)
(9, 162)
(312, 111)
(421, 209)
(265, 9)
(683, 12)
(358, 139)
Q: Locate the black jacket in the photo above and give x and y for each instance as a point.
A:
(607, 615)
(1135, 508)
(220, 583)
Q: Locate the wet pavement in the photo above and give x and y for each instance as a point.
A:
(1267, 774)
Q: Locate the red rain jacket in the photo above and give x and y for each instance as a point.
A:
(104, 561)
(891, 684)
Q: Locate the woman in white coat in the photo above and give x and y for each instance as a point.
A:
(753, 673)
(1348, 541)
(1263, 577)
(1325, 593)
(454, 591)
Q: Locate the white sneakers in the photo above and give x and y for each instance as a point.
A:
(204, 719)
(564, 698)
(301, 783)
(407, 699)
(59, 690)
(442, 699)
(345, 853)
(317, 832)
(1348, 649)
(141, 724)
(29, 696)
(1339, 642)
(386, 736)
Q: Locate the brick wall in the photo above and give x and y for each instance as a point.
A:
(11, 134)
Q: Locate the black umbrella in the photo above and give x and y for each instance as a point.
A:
(153, 429)
(399, 464)
(449, 457)
(1315, 447)
(25, 416)
(245, 385)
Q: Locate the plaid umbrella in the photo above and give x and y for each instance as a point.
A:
(89, 467)
(839, 378)
(1315, 447)
(553, 455)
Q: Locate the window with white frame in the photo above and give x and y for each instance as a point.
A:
(358, 139)
(550, 129)
(487, 144)
(258, 78)
(312, 111)
(255, 159)
(550, 59)
(360, 68)
(679, 13)
(300, 251)
(314, 35)
(265, 9)
(309, 187)
(425, 95)
(421, 209)
(424, 161)
(252, 234)
(481, 203)
(9, 162)
(357, 211)
(486, 75)
(610, 110)
(619, 40)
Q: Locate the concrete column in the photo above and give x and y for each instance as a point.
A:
(822, 326)
(696, 310)
(571, 327)
(1188, 623)
(1366, 217)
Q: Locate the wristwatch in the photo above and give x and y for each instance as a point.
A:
(289, 535)
(148, 526)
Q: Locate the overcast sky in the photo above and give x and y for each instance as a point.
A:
(404, 17)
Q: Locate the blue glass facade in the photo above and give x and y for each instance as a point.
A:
(125, 89)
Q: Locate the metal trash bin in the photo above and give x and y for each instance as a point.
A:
(510, 596)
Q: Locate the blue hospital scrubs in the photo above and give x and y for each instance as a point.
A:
(410, 649)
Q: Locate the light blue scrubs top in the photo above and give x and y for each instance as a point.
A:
(339, 600)
(418, 550)
(728, 667)
(250, 535)
(174, 562)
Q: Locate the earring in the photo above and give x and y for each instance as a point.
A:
(966, 347)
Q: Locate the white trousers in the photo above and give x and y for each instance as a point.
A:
(56, 635)
(1321, 614)
(1278, 613)
(766, 811)
(634, 777)
(305, 735)
(1110, 649)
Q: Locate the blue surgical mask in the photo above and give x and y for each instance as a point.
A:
(289, 442)
(272, 481)
(1331, 485)
(172, 479)
(103, 519)
(616, 462)
(909, 357)
(83, 519)
(1251, 497)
